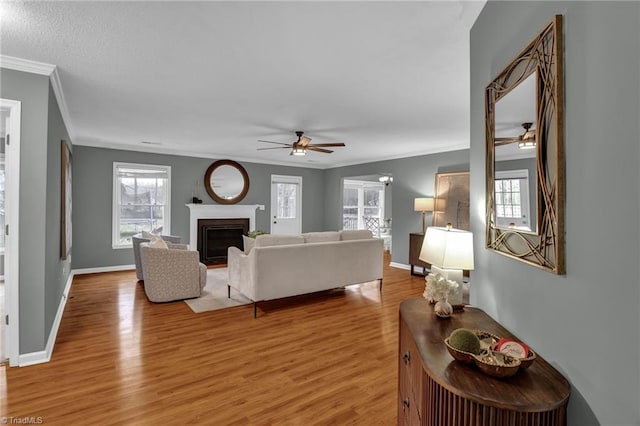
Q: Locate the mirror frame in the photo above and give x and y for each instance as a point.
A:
(209, 187)
(544, 57)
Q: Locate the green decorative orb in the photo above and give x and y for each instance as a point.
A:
(465, 340)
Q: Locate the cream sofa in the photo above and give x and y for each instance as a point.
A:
(288, 265)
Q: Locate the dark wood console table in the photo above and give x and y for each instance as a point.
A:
(434, 389)
(415, 245)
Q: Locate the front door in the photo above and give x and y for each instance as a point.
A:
(286, 204)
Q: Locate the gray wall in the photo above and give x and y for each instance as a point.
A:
(39, 186)
(92, 197)
(586, 322)
(56, 270)
(412, 177)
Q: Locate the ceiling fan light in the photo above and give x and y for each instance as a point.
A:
(299, 151)
(527, 144)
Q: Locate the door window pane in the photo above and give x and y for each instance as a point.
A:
(286, 200)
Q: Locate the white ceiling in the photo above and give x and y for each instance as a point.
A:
(389, 79)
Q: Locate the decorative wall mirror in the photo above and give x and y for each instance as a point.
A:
(226, 181)
(525, 155)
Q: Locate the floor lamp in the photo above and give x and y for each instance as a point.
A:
(423, 205)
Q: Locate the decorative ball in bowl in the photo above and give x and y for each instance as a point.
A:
(464, 344)
(497, 364)
(458, 355)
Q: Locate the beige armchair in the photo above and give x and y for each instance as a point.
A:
(172, 274)
(137, 240)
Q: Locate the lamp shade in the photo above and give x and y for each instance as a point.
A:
(448, 248)
(423, 204)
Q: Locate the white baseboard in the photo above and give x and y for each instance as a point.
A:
(33, 358)
(45, 356)
(400, 266)
(103, 269)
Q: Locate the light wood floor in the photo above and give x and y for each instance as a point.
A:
(119, 359)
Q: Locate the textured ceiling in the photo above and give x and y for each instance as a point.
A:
(389, 79)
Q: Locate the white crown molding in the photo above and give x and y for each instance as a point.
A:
(25, 65)
(56, 85)
(154, 149)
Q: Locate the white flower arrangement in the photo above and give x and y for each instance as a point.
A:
(438, 287)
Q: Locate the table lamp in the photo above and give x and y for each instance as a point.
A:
(423, 205)
(449, 251)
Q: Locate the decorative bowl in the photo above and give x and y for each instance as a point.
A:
(526, 362)
(506, 366)
(458, 355)
(487, 340)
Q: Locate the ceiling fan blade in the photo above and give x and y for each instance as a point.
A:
(304, 141)
(328, 144)
(277, 147)
(277, 143)
(507, 142)
(315, 148)
(516, 139)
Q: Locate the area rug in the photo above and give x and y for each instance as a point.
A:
(214, 294)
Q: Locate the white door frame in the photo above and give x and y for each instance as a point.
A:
(287, 179)
(12, 216)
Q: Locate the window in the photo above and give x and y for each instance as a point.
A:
(141, 201)
(512, 199)
(360, 199)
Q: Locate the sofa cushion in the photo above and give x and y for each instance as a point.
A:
(248, 243)
(320, 237)
(357, 234)
(278, 240)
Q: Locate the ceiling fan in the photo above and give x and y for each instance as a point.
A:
(302, 145)
(525, 140)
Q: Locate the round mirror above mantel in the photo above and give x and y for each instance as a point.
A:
(226, 181)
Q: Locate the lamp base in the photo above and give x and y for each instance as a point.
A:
(453, 275)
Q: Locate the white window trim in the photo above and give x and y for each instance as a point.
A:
(115, 215)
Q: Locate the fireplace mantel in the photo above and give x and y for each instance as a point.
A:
(219, 211)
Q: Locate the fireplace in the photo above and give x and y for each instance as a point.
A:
(215, 236)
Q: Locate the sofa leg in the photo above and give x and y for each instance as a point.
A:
(255, 309)
(380, 284)
(228, 291)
